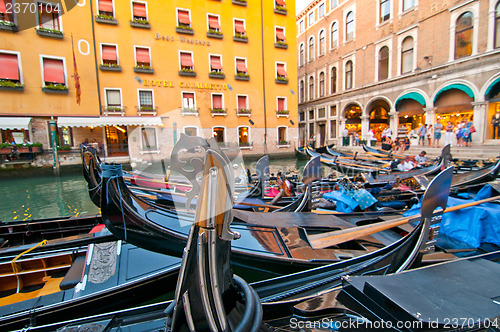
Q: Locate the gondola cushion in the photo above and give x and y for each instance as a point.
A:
(74, 274)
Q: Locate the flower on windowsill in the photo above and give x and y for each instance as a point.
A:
(241, 36)
(186, 70)
(215, 32)
(146, 108)
(241, 74)
(244, 143)
(140, 21)
(104, 17)
(281, 8)
(215, 72)
(282, 42)
(111, 65)
(244, 111)
(184, 27)
(283, 143)
(10, 84)
(56, 86)
(7, 23)
(282, 78)
(218, 110)
(142, 67)
(56, 32)
(113, 109)
(64, 147)
(283, 112)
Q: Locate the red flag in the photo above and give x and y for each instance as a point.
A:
(75, 75)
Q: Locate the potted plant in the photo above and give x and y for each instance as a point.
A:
(143, 69)
(106, 19)
(64, 149)
(5, 148)
(216, 74)
(49, 32)
(283, 142)
(55, 88)
(184, 29)
(140, 23)
(212, 33)
(110, 67)
(10, 85)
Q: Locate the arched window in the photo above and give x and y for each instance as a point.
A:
(383, 63)
(407, 55)
(335, 35)
(497, 26)
(301, 55)
(322, 42)
(311, 48)
(333, 79)
(349, 26)
(463, 35)
(348, 75)
(311, 88)
(302, 99)
(321, 84)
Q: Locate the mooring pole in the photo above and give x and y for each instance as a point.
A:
(55, 154)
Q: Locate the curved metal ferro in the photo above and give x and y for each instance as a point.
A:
(312, 170)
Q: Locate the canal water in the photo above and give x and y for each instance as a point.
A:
(34, 194)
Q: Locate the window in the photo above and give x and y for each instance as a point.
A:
(186, 61)
(281, 109)
(10, 68)
(321, 113)
(183, 20)
(6, 15)
(53, 72)
(322, 84)
(106, 8)
(48, 17)
(148, 139)
(407, 55)
(280, 5)
(497, 26)
(191, 131)
(302, 98)
(335, 35)
(280, 36)
(383, 63)
(188, 103)
(139, 11)
(333, 129)
(215, 64)
(311, 88)
(218, 133)
(146, 101)
(142, 57)
(301, 55)
(301, 26)
(334, 3)
(243, 136)
(213, 24)
(302, 116)
(408, 4)
(241, 67)
(348, 75)
(311, 48)
(239, 29)
(322, 42)
(349, 26)
(113, 101)
(385, 10)
(311, 18)
(242, 103)
(322, 10)
(217, 102)
(282, 136)
(311, 116)
(281, 71)
(333, 80)
(333, 110)
(109, 55)
(463, 35)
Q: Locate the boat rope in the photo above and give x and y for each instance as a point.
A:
(15, 268)
(114, 171)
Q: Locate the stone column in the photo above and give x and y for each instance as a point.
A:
(430, 115)
(394, 123)
(365, 126)
(480, 122)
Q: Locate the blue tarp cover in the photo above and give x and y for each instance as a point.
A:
(473, 225)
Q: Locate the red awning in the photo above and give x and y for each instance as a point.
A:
(281, 104)
(2, 6)
(53, 71)
(242, 102)
(186, 60)
(239, 26)
(215, 62)
(280, 35)
(213, 22)
(139, 9)
(240, 65)
(183, 17)
(281, 2)
(281, 69)
(217, 101)
(106, 5)
(142, 55)
(109, 52)
(187, 95)
(9, 68)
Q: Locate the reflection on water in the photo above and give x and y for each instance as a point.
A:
(44, 196)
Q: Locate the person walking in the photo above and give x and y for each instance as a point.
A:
(437, 134)
(421, 134)
(448, 136)
(430, 134)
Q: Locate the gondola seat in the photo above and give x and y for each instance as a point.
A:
(74, 274)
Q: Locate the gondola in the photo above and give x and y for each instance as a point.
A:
(209, 297)
(381, 153)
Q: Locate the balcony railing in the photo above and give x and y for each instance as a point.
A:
(189, 111)
(282, 113)
(147, 110)
(218, 111)
(243, 112)
(113, 110)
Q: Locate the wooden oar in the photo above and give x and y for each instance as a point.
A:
(324, 240)
(159, 181)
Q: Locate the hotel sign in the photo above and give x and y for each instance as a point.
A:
(182, 39)
(184, 85)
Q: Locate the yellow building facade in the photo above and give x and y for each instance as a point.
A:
(149, 71)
